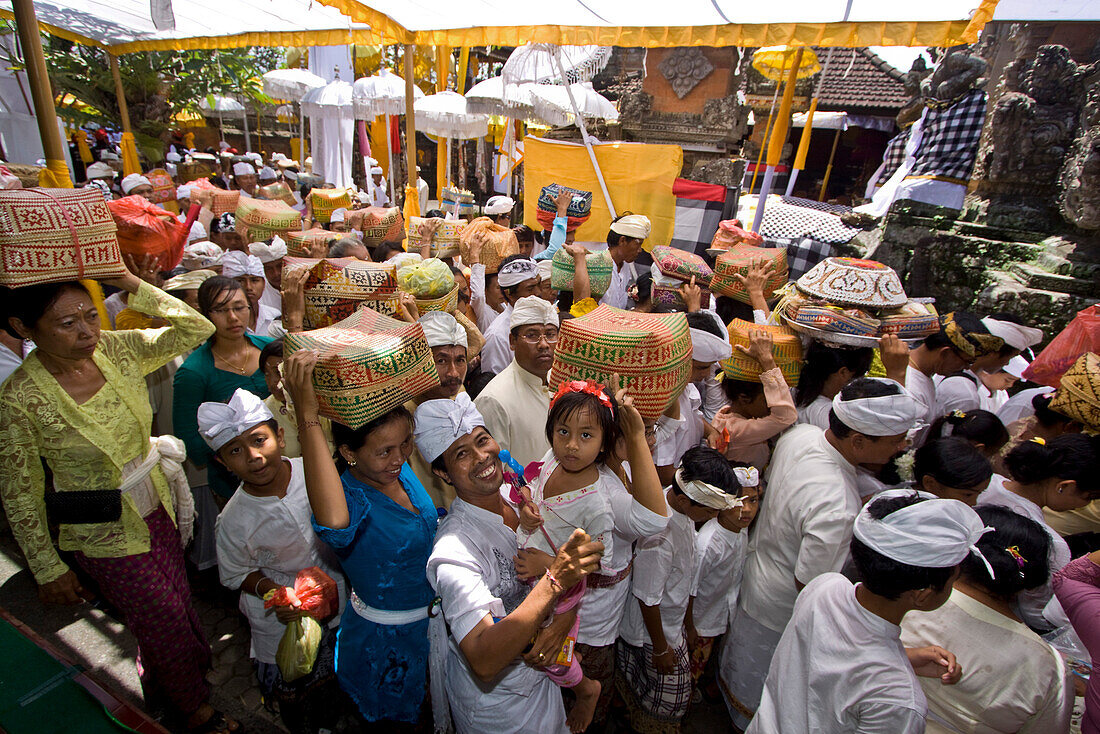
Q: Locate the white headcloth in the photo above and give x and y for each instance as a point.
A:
(515, 272)
(199, 255)
(220, 423)
(545, 269)
(1016, 336)
(443, 330)
(532, 310)
(706, 494)
(439, 423)
(134, 180)
(243, 169)
(197, 233)
(706, 347)
(236, 263)
(886, 415)
(269, 253)
(497, 205)
(267, 173)
(632, 225)
(935, 533)
(1016, 367)
(338, 215)
(183, 192)
(748, 476)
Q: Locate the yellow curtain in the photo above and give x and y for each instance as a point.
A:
(82, 146)
(639, 178)
(130, 162)
(379, 143)
(55, 176)
(412, 203)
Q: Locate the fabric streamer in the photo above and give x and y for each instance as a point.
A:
(220, 423)
(886, 415)
(439, 423)
(936, 533)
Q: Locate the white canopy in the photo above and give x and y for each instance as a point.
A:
(125, 26)
(381, 94)
(221, 105)
(552, 103)
(290, 84)
(445, 114)
(684, 23)
(822, 120)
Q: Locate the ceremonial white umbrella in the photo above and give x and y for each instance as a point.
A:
(552, 104)
(292, 84)
(382, 94)
(445, 115)
(566, 65)
(331, 122)
(221, 105)
(493, 97)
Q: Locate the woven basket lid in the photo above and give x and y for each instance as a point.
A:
(786, 348)
(849, 281)
(1078, 395)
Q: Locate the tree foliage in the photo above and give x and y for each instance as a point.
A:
(157, 84)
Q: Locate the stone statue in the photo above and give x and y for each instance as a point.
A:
(1080, 200)
(955, 76)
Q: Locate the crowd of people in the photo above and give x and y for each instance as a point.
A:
(883, 546)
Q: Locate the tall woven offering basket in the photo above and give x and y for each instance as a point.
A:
(337, 287)
(369, 364)
(651, 353)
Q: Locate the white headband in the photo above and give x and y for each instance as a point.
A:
(497, 205)
(632, 225)
(243, 169)
(267, 174)
(935, 533)
(183, 192)
(338, 215)
(707, 494)
(533, 311)
(236, 263)
(439, 423)
(748, 476)
(517, 271)
(545, 269)
(886, 415)
(443, 330)
(197, 233)
(1014, 335)
(1016, 367)
(706, 347)
(220, 423)
(201, 255)
(376, 171)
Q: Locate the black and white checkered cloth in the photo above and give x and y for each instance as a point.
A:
(950, 143)
(894, 156)
(821, 206)
(785, 221)
(696, 223)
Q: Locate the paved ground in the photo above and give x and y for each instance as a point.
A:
(101, 643)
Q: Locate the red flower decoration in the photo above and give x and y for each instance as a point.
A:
(586, 386)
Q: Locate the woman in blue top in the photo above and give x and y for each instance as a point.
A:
(374, 513)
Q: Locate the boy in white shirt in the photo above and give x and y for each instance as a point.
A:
(653, 672)
(264, 538)
(840, 666)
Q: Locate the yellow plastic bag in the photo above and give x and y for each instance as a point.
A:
(428, 279)
(298, 648)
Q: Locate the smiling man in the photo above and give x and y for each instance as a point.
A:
(515, 402)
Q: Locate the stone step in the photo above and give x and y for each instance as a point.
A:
(1036, 277)
(1053, 262)
(1045, 309)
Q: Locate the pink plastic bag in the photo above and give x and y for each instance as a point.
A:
(1080, 336)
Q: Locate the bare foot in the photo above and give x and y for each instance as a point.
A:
(588, 693)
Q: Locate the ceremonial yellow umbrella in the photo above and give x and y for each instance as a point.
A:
(773, 62)
(775, 142)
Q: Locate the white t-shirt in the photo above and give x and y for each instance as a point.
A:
(839, 668)
(1019, 405)
(271, 297)
(804, 525)
(497, 352)
(958, 392)
(621, 278)
(472, 570)
(10, 361)
(816, 413)
(923, 389)
(274, 536)
(265, 317)
(664, 566)
(1038, 607)
(719, 563)
(677, 435)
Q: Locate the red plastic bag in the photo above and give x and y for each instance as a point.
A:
(146, 229)
(314, 592)
(1080, 336)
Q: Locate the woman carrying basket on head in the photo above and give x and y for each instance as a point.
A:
(79, 405)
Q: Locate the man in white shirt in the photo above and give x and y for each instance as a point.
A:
(805, 522)
(962, 338)
(516, 402)
(493, 618)
(378, 195)
(245, 179)
(965, 390)
(518, 278)
(272, 258)
(624, 242)
(840, 666)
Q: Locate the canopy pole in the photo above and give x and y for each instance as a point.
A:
(775, 143)
(301, 137)
(764, 139)
(26, 23)
(389, 154)
(247, 141)
(442, 149)
(579, 119)
(804, 142)
(130, 162)
(829, 168)
(412, 203)
(123, 109)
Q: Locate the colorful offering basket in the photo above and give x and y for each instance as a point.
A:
(737, 262)
(682, 265)
(55, 235)
(500, 242)
(651, 353)
(600, 265)
(300, 244)
(444, 241)
(786, 348)
(369, 365)
(849, 281)
(338, 287)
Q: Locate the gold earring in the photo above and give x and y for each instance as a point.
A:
(352, 463)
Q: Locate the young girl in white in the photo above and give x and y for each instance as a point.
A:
(564, 493)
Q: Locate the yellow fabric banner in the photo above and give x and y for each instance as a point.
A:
(380, 143)
(639, 178)
(130, 162)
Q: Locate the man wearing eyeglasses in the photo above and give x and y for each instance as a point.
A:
(515, 403)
